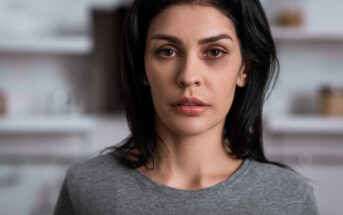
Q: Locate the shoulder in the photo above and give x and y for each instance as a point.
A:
(275, 176)
(284, 188)
(100, 170)
(92, 185)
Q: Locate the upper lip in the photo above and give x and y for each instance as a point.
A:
(187, 100)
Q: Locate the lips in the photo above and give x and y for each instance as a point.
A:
(193, 101)
(190, 106)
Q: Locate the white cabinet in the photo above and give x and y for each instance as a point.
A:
(295, 132)
(30, 189)
(315, 155)
(44, 44)
(312, 144)
(36, 152)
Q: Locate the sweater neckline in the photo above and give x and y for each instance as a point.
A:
(228, 182)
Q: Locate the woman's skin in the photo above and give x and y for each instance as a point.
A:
(192, 51)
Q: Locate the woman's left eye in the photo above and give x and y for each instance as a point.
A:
(215, 53)
(166, 52)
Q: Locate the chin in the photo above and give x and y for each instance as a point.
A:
(190, 127)
(189, 132)
(187, 126)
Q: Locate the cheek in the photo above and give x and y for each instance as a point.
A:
(159, 78)
(225, 93)
(224, 87)
(159, 74)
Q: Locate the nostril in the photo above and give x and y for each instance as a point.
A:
(184, 83)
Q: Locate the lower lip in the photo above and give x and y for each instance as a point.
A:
(190, 110)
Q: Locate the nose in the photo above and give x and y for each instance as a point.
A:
(189, 72)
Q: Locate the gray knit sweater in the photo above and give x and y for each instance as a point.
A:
(102, 186)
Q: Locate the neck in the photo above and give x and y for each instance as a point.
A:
(192, 160)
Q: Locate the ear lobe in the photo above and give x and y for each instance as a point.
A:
(144, 81)
(242, 78)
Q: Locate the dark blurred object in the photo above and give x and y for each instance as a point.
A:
(107, 25)
(331, 97)
(2, 103)
(291, 18)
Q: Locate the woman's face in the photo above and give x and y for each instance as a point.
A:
(193, 64)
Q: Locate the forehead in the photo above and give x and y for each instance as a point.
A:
(191, 20)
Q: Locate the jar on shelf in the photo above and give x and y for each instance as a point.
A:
(285, 13)
(331, 99)
(2, 102)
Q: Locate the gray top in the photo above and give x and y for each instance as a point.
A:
(103, 186)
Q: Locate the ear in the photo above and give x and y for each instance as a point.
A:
(242, 77)
(144, 80)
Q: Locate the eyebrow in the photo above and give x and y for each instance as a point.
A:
(174, 39)
(214, 39)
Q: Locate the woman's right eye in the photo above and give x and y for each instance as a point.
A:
(166, 52)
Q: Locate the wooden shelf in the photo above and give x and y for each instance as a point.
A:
(46, 124)
(303, 34)
(304, 125)
(52, 44)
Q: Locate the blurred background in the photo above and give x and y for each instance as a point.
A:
(60, 95)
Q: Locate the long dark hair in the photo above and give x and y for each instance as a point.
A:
(243, 126)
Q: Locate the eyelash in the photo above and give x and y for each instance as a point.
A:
(161, 52)
(221, 53)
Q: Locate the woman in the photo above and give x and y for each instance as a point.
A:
(195, 74)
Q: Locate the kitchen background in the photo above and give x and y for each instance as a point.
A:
(60, 97)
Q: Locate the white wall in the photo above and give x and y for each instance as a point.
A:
(48, 16)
